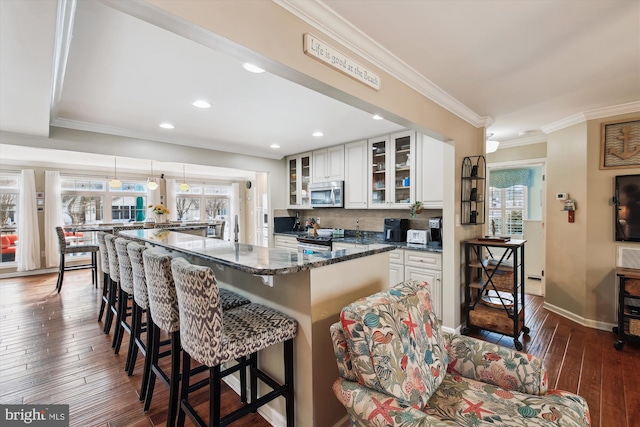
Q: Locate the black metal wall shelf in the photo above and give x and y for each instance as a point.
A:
(472, 190)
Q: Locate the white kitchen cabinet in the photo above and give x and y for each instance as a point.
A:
(355, 183)
(328, 164)
(299, 176)
(426, 266)
(430, 173)
(396, 267)
(285, 242)
(392, 171)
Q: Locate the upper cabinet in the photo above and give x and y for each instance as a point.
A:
(328, 164)
(299, 176)
(430, 173)
(391, 170)
(355, 176)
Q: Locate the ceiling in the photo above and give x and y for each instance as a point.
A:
(521, 65)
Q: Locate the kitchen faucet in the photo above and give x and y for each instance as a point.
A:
(236, 230)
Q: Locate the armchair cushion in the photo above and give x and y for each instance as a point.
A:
(395, 343)
(493, 364)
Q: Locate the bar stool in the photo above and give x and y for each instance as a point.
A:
(65, 248)
(163, 306)
(212, 338)
(125, 293)
(114, 283)
(106, 281)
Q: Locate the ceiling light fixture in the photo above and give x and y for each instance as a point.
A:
(252, 68)
(167, 125)
(184, 186)
(115, 182)
(377, 117)
(492, 146)
(317, 134)
(274, 146)
(201, 103)
(152, 184)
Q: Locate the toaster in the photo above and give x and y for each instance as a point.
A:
(417, 236)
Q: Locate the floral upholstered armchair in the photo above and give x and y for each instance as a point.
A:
(397, 368)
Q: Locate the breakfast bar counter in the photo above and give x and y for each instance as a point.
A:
(312, 288)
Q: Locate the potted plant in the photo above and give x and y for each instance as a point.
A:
(415, 208)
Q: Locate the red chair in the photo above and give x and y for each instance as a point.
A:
(9, 247)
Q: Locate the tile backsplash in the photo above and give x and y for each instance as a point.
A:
(370, 219)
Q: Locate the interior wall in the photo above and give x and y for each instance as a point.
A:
(566, 255)
(601, 293)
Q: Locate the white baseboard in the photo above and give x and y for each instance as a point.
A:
(28, 273)
(451, 330)
(589, 323)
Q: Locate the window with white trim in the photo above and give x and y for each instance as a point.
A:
(507, 210)
(9, 189)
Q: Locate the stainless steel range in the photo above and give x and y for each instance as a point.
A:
(311, 244)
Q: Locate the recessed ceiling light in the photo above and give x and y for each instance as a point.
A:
(377, 117)
(201, 103)
(317, 134)
(252, 68)
(167, 125)
(274, 146)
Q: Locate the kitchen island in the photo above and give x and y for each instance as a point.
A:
(312, 288)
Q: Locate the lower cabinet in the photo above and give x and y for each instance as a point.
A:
(422, 266)
(285, 242)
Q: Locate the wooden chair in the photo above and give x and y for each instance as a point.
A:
(65, 249)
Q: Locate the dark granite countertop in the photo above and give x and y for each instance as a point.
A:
(248, 258)
(370, 238)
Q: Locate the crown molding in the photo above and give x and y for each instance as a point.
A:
(64, 33)
(616, 110)
(321, 17)
(528, 140)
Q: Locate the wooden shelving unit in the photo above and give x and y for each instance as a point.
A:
(628, 306)
(494, 287)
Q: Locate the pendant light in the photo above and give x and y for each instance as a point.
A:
(152, 184)
(184, 186)
(115, 182)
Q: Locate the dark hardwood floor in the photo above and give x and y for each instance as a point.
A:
(52, 350)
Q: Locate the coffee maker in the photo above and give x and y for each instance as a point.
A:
(395, 229)
(435, 231)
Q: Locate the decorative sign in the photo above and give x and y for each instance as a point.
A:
(331, 56)
(620, 144)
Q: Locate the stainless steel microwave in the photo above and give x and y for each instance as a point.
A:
(327, 194)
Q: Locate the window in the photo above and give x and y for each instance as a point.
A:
(9, 188)
(203, 202)
(507, 208)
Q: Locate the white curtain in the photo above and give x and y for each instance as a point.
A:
(52, 217)
(28, 251)
(171, 198)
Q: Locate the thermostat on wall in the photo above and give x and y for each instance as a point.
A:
(561, 196)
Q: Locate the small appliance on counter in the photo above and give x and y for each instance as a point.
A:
(395, 229)
(282, 224)
(417, 237)
(435, 231)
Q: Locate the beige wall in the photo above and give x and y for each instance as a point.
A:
(566, 256)
(524, 152)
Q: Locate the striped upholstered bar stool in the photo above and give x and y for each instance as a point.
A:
(106, 282)
(125, 294)
(64, 248)
(114, 275)
(163, 306)
(212, 338)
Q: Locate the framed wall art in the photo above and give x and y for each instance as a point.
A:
(620, 144)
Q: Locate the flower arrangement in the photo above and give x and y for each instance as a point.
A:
(159, 209)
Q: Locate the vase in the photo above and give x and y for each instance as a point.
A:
(159, 218)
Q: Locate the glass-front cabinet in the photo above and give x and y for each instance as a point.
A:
(391, 170)
(299, 175)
